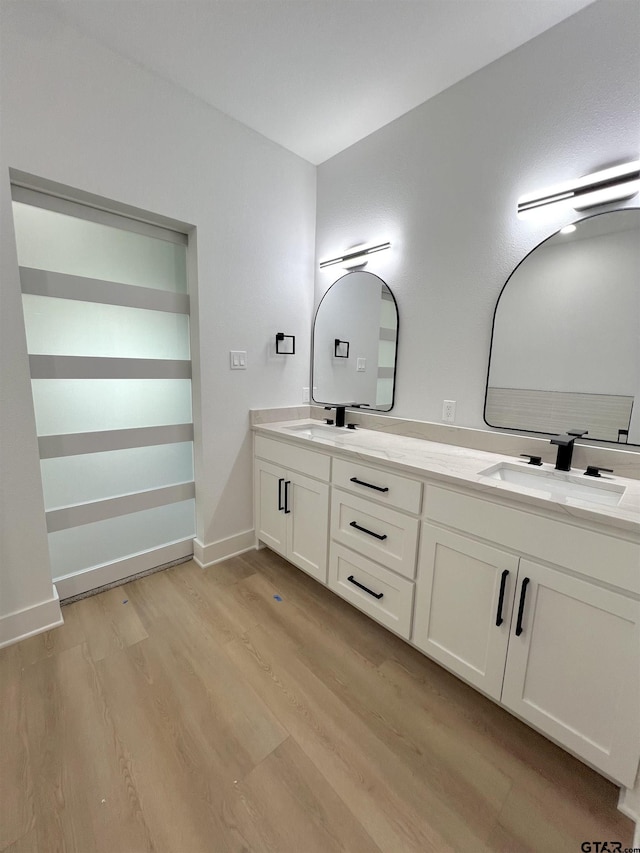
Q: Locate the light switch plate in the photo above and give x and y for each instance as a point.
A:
(361, 365)
(238, 359)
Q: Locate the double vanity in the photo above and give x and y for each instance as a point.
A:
(522, 580)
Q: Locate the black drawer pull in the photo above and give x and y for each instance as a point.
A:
(523, 595)
(379, 536)
(503, 583)
(286, 497)
(280, 504)
(377, 595)
(369, 485)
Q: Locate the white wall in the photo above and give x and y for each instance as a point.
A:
(25, 580)
(442, 184)
(76, 113)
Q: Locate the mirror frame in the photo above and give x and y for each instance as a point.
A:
(515, 430)
(359, 406)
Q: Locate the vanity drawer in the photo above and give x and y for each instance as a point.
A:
(291, 456)
(387, 598)
(382, 534)
(605, 558)
(374, 484)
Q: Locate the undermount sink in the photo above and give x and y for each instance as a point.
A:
(556, 483)
(319, 431)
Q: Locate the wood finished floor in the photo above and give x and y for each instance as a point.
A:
(192, 712)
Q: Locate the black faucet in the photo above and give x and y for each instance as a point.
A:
(340, 415)
(565, 447)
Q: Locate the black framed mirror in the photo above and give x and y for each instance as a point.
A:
(355, 344)
(565, 343)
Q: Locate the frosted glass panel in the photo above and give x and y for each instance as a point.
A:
(87, 405)
(66, 327)
(91, 545)
(387, 354)
(388, 314)
(384, 393)
(69, 480)
(54, 241)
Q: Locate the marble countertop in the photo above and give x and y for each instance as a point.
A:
(460, 466)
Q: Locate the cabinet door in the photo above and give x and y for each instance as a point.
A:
(308, 524)
(573, 671)
(271, 522)
(464, 589)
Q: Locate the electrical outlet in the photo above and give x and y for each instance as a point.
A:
(305, 395)
(449, 411)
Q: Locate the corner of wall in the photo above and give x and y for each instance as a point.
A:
(223, 549)
(36, 619)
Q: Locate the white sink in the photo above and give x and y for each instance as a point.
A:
(556, 484)
(319, 431)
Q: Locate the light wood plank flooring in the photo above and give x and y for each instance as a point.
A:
(193, 712)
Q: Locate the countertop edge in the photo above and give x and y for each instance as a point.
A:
(621, 518)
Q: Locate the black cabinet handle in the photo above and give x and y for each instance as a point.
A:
(287, 483)
(379, 536)
(503, 584)
(369, 485)
(377, 595)
(280, 504)
(523, 595)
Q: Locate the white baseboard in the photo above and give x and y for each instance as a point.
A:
(30, 621)
(223, 549)
(100, 576)
(629, 805)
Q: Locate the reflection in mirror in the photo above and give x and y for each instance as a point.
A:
(355, 339)
(565, 349)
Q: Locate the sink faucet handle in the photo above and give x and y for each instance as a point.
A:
(578, 432)
(533, 460)
(594, 471)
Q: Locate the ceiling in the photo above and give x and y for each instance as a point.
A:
(314, 76)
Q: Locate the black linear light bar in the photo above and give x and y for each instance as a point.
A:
(602, 187)
(354, 254)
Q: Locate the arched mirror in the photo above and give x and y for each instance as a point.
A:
(565, 348)
(355, 342)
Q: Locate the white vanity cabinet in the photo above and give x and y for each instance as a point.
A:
(292, 508)
(549, 643)
(374, 540)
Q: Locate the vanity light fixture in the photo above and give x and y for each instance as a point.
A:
(356, 256)
(602, 187)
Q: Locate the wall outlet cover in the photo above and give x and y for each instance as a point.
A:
(449, 411)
